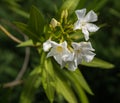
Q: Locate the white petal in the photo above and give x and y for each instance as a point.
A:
(68, 57)
(86, 46)
(77, 25)
(92, 27)
(91, 16)
(89, 56)
(54, 44)
(85, 32)
(80, 13)
(75, 45)
(47, 45)
(58, 59)
(72, 66)
(64, 44)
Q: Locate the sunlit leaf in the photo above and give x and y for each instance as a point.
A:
(81, 80)
(48, 80)
(26, 43)
(99, 63)
(63, 88)
(62, 85)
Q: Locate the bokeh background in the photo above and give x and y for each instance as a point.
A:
(105, 83)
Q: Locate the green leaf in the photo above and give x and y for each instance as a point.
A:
(70, 5)
(31, 85)
(36, 21)
(26, 43)
(99, 63)
(48, 80)
(100, 4)
(81, 80)
(79, 84)
(63, 88)
(27, 31)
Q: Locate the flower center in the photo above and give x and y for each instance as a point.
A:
(83, 23)
(59, 49)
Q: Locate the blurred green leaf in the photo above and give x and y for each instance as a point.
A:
(63, 85)
(26, 43)
(36, 21)
(79, 84)
(98, 63)
(81, 80)
(63, 88)
(100, 4)
(70, 5)
(31, 85)
(48, 80)
(27, 31)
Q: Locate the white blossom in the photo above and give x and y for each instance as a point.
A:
(47, 45)
(58, 51)
(82, 51)
(84, 22)
(70, 62)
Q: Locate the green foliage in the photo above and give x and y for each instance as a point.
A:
(99, 63)
(36, 21)
(32, 83)
(54, 80)
(70, 5)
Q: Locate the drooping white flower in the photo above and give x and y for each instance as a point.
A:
(84, 22)
(58, 51)
(70, 62)
(47, 45)
(82, 51)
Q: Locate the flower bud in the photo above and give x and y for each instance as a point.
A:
(54, 23)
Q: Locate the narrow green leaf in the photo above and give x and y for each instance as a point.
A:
(36, 21)
(48, 80)
(70, 5)
(81, 80)
(79, 84)
(63, 88)
(31, 85)
(99, 63)
(26, 43)
(100, 4)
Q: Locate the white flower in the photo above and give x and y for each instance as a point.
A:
(83, 22)
(70, 62)
(82, 51)
(58, 51)
(47, 45)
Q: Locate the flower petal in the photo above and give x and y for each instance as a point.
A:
(47, 45)
(88, 56)
(92, 27)
(91, 16)
(86, 46)
(72, 66)
(85, 32)
(77, 25)
(80, 13)
(75, 46)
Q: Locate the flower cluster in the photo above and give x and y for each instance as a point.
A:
(71, 54)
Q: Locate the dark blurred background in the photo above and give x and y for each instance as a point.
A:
(105, 83)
